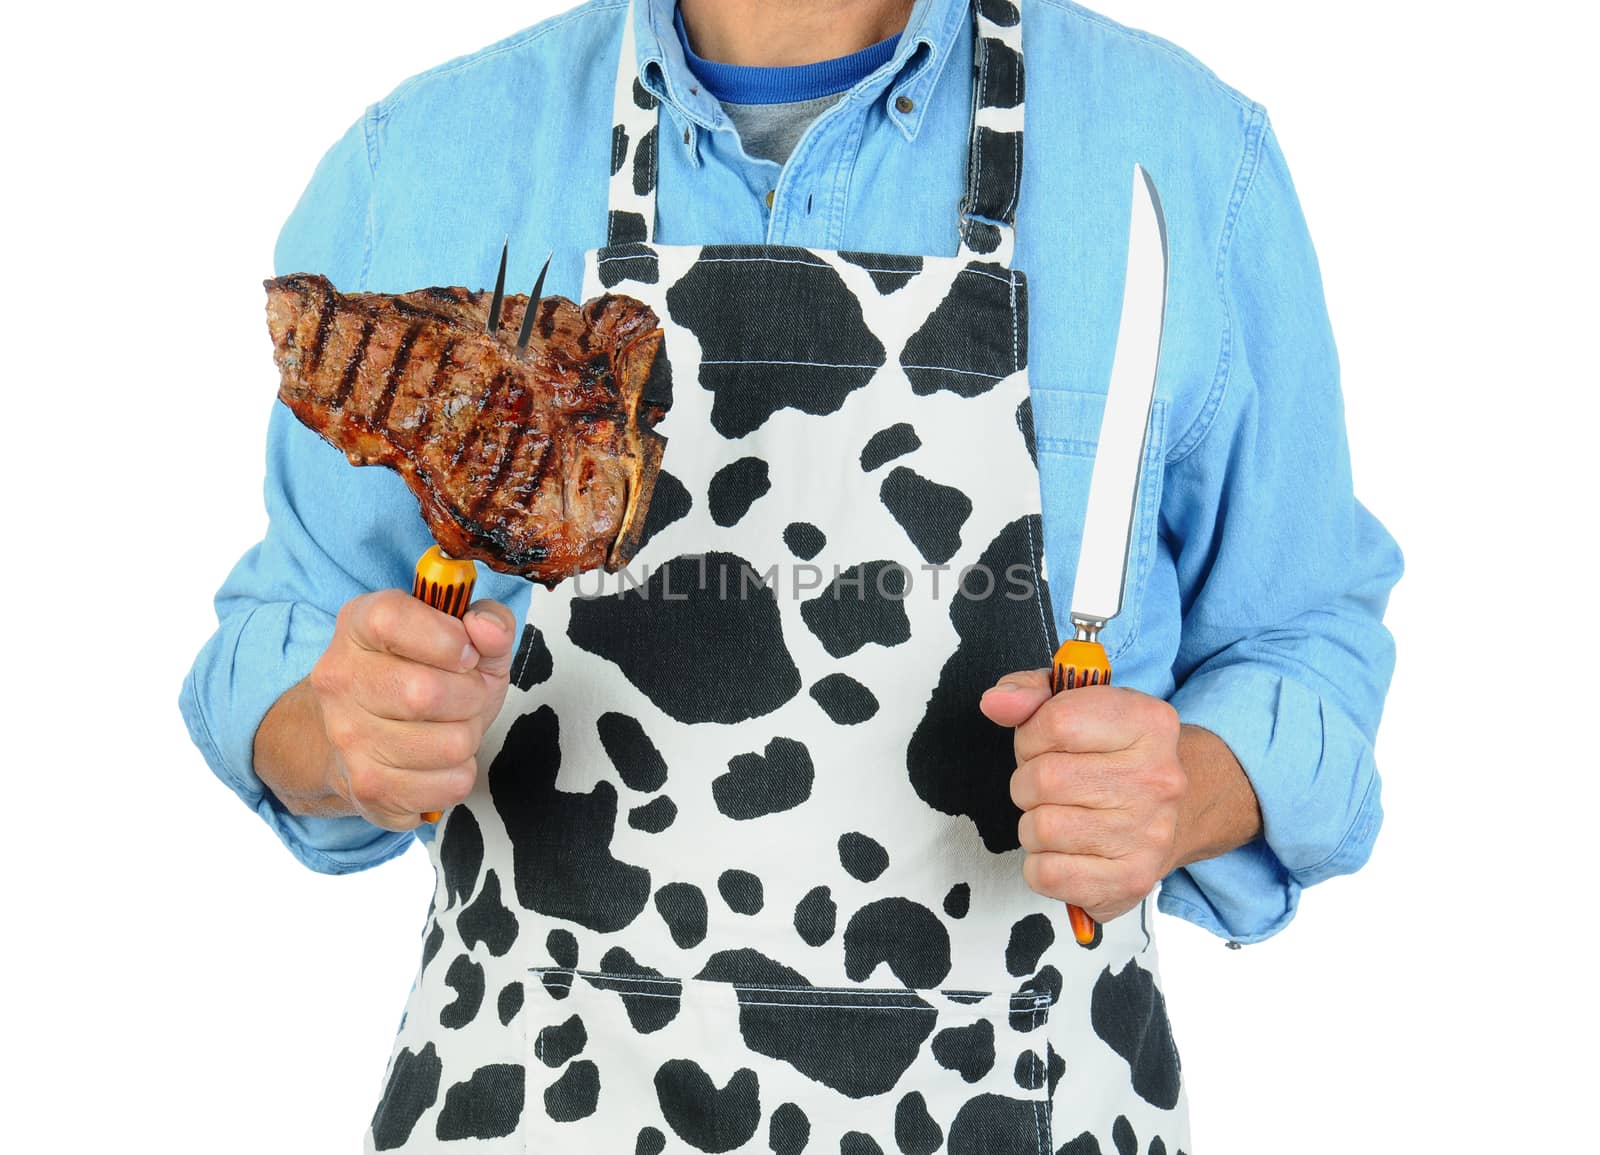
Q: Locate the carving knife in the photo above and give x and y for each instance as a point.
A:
(1114, 483)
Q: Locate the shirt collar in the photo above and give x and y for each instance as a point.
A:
(905, 82)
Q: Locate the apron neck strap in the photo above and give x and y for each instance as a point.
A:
(987, 224)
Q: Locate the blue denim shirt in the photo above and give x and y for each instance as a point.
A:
(1257, 582)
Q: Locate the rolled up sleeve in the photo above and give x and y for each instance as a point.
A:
(275, 611)
(1285, 577)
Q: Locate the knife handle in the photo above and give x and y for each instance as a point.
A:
(1080, 663)
(445, 583)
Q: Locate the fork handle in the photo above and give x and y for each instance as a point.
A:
(445, 583)
(1080, 663)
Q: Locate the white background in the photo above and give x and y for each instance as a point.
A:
(174, 976)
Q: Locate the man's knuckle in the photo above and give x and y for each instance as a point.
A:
(419, 693)
(368, 784)
(457, 743)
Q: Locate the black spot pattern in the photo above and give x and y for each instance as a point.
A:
(846, 701)
(815, 916)
(1046, 985)
(1158, 1146)
(628, 260)
(958, 901)
(1025, 427)
(1085, 1144)
(1029, 1071)
(759, 784)
(1001, 12)
(887, 444)
(645, 99)
(1002, 74)
(487, 1106)
(1122, 1135)
(1055, 1067)
(460, 855)
(735, 488)
(905, 934)
(889, 272)
(412, 1088)
(465, 977)
(627, 228)
(774, 334)
(557, 1043)
(969, 1050)
(959, 761)
(915, 1131)
(701, 639)
(644, 164)
(788, 1131)
(551, 829)
(982, 237)
(487, 920)
(804, 540)
(533, 663)
(741, 890)
(854, 1044)
(1030, 938)
(639, 764)
(931, 514)
(682, 907)
(858, 1143)
(558, 984)
(707, 1117)
(509, 1003)
(654, 816)
(863, 605)
(862, 857)
(990, 1123)
(970, 342)
(650, 1141)
(670, 501)
(1129, 1012)
(563, 948)
(575, 1094)
(650, 1005)
(431, 944)
(619, 148)
(993, 194)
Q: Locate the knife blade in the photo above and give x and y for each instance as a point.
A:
(1119, 455)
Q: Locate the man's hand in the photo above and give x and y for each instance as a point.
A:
(1115, 793)
(405, 694)
(1100, 785)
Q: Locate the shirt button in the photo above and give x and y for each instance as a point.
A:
(770, 193)
(904, 104)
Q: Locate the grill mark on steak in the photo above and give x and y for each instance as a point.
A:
(353, 363)
(320, 338)
(538, 463)
(391, 379)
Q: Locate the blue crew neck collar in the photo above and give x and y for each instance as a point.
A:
(748, 84)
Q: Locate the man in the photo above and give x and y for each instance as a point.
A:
(792, 869)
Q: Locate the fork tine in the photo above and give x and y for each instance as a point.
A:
(533, 304)
(499, 288)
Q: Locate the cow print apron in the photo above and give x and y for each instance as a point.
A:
(742, 873)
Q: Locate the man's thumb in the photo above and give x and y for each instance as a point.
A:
(492, 629)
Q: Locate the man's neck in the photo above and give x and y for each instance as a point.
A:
(777, 33)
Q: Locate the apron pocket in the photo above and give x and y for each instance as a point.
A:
(620, 1062)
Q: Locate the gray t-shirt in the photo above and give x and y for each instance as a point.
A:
(770, 131)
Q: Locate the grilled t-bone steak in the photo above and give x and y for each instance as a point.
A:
(538, 463)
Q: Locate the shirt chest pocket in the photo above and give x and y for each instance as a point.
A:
(1067, 430)
(631, 1062)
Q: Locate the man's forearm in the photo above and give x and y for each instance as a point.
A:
(293, 755)
(1220, 811)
